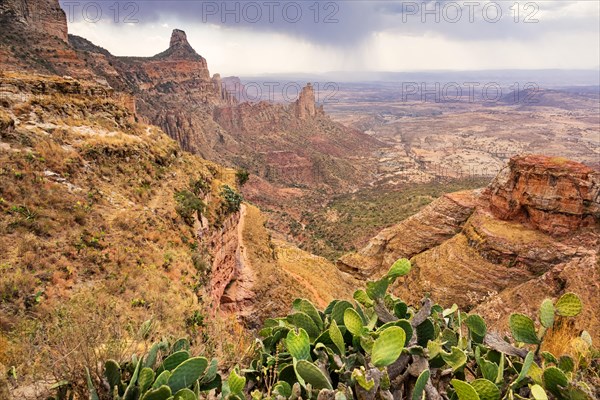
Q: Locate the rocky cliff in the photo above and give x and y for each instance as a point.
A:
(41, 16)
(556, 196)
(533, 233)
(293, 144)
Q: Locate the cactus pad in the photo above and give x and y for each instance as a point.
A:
(298, 345)
(353, 321)
(161, 393)
(522, 329)
(569, 305)
(547, 313)
(554, 379)
(388, 346)
(311, 374)
(419, 389)
(187, 373)
(112, 372)
(400, 268)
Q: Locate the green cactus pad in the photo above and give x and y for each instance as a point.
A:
(449, 337)
(171, 362)
(377, 289)
(569, 305)
(150, 359)
(211, 371)
(419, 389)
(554, 378)
(145, 379)
(161, 393)
(362, 297)
(181, 344)
(566, 363)
(538, 392)
(131, 390)
(489, 370)
(464, 391)
(476, 324)
(388, 346)
(337, 313)
(486, 389)
(547, 313)
(187, 373)
(425, 332)
(308, 308)
(408, 329)
(304, 321)
(525, 368)
(549, 357)
(298, 345)
(161, 379)
(112, 372)
(400, 310)
(311, 374)
(283, 389)
(522, 329)
(353, 321)
(337, 338)
(185, 394)
(456, 359)
(236, 382)
(400, 268)
(91, 388)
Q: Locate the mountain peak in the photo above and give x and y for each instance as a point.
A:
(180, 48)
(305, 106)
(178, 38)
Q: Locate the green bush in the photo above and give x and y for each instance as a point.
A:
(231, 200)
(242, 176)
(188, 205)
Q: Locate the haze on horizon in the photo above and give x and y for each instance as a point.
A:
(261, 37)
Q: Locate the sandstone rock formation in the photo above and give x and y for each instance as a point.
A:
(305, 106)
(533, 233)
(41, 16)
(437, 222)
(556, 196)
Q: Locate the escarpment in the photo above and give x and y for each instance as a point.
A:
(44, 17)
(534, 232)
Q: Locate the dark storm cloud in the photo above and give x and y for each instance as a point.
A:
(345, 23)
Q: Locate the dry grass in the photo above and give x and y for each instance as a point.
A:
(90, 240)
(284, 272)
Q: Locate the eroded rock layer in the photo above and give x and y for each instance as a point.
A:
(533, 233)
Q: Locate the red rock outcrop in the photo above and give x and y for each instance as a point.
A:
(42, 16)
(533, 233)
(554, 195)
(305, 107)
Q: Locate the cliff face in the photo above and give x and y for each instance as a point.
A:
(33, 38)
(42, 16)
(556, 196)
(305, 106)
(293, 144)
(533, 233)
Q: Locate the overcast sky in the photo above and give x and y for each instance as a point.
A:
(268, 36)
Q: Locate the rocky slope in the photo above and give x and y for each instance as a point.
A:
(174, 90)
(533, 233)
(287, 148)
(90, 230)
(106, 221)
(44, 17)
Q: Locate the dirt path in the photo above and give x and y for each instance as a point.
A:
(247, 264)
(316, 297)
